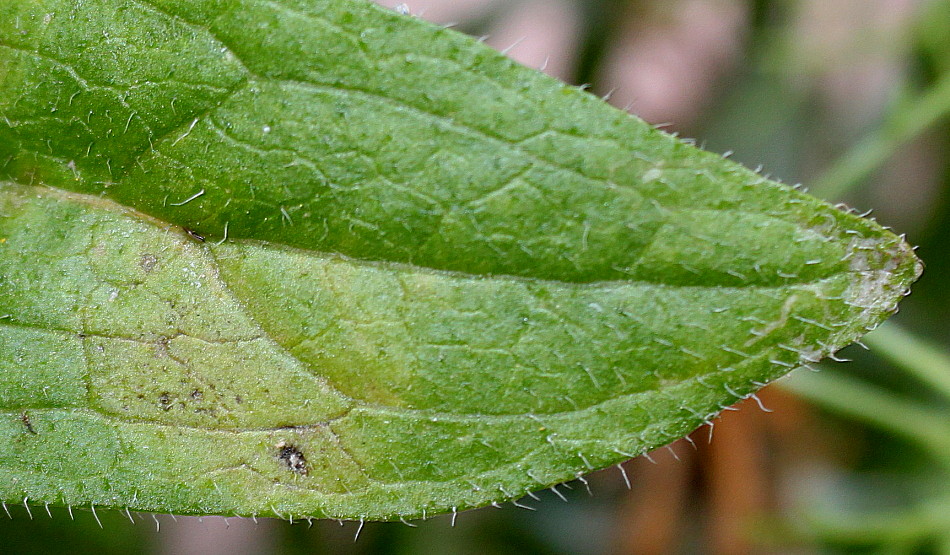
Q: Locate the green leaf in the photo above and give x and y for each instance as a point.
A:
(315, 258)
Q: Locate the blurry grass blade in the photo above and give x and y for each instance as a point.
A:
(917, 422)
(934, 34)
(918, 525)
(911, 118)
(920, 358)
(288, 257)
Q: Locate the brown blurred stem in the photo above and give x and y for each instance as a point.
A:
(652, 519)
(738, 479)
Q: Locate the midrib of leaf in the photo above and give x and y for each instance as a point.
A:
(102, 204)
(213, 259)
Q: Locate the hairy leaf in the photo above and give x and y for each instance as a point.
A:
(315, 258)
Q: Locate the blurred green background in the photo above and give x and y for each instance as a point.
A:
(850, 98)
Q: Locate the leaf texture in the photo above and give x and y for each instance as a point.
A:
(315, 258)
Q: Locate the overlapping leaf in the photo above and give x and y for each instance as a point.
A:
(311, 257)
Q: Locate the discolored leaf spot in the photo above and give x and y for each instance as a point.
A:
(292, 458)
(315, 258)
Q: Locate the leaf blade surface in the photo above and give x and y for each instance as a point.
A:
(433, 279)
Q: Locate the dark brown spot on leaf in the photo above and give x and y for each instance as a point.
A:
(292, 458)
(25, 418)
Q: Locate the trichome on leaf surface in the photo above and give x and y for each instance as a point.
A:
(316, 258)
